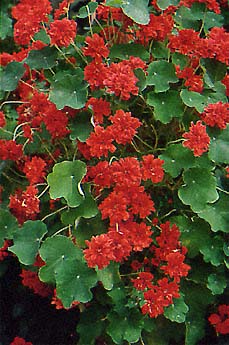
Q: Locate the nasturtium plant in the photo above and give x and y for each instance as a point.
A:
(114, 166)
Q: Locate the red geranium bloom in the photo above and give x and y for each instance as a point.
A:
(197, 139)
(2, 119)
(34, 169)
(95, 47)
(9, 149)
(31, 280)
(20, 341)
(221, 320)
(216, 115)
(100, 142)
(152, 168)
(62, 32)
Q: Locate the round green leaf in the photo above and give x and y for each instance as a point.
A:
(27, 241)
(219, 147)
(199, 188)
(54, 251)
(167, 105)
(217, 214)
(125, 327)
(69, 90)
(160, 74)
(74, 281)
(217, 283)
(11, 75)
(177, 311)
(65, 181)
(163, 4)
(212, 251)
(137, 10)
(109, 275)
(8, 225)
(81, 126)
(44, 58)
(176, 158)
(193, 99)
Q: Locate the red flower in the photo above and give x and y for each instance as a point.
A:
(175, 268)
(100, 108)
(9, 149)
(126, 173)
(95, 47)
(143, 281)
(221, 320)
(63, 9)
(20, 341)
(216, 115)
(152, 168)
(100, 142)
(62, 32)
(197, 139)
(123, 126)
(121, 80)
(114, 207)
(25, 204)
(31, 280)
(99, 251)
(34, 169)
(2, 119)
(95, 73)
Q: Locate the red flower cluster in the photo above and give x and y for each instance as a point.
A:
(95, 48)
(29, 15)
(216, 114)
(24, 205)
(192, 81)
(39, 109)
(9, 149)
(221, 320)
(100, 108)
(63, 9)
(31, 280)
(122, 131)
(168, 256)
(127, 200)
(20, 341)
(34, 169)
(197, 139)
(158, 29)
(62, 32)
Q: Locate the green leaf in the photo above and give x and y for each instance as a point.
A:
(190, 18)
(199, 188)
(195, 233)
(217, 214)
(159, 50)
(125, 327)
(74, 281)
(6, 24)
(114, 3)
(177, 311)
(193, 99)
(27, 241)
(44, 58)
(87, 209)
(87, 10)
(69, 90)
(65, 181)
(8, 225)
(160, 74)
(167, 105)
(180, 60)
(137, 10)
(91, 324)
(163, 4)
(125, 51)
(81, 126)
(217, 283)
(214, 71)
(212, 251)
(219, 147)
(11, 75)
(109, 275)
(54, 251)
(212, 20)
(176, 158)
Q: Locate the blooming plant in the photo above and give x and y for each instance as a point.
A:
(114, 154)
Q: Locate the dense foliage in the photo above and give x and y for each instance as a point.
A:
(114, 163)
